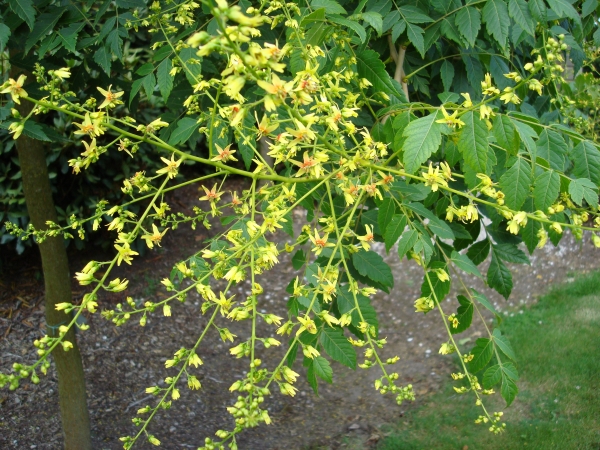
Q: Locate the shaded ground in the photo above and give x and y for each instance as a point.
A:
(121, 362)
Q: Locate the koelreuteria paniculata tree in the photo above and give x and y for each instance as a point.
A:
(438, 128)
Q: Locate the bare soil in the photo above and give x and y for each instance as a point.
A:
(121, 362)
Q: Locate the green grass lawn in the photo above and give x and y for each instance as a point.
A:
(557, 342)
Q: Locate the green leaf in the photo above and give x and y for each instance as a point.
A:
(43, 26)
(503, 344)
(299, 259)
(246, 142)
(412, 14)
(398, 29)
(562, 8)
(511, 253)
(191, 65)
(546, 189)
(415, 36)
(371, 265)
(583, 188)
(346, 303)
(25, 10)
(526, 133)
(497, 21)
(509, 389)
(330, 6)
(322, 368)
(185, 128)
(538, 10)
(4, 36)
(407, 242)
(389, 20)
(509, 370)
(492, 376)
(499, 277)
(447, 74)
(468, 21)
(519, 11)
(423, 138)
(552, 147)
(479, 251)
(464, 263)
(337, 346)
(367, 312)
(354, 26)
(440, 288)
(386, 211)
(35, 131)
(102, 57)
(515, 184)
(482, 354)
(464, 315)
(481, 298)
(393, 231)
(149, 83)
(369, 66)
(315, 16)
(375, 20)
(473, 142)
(586, 159)
(115, 43)
(68, 36)
(588, 7)
(505, 134)
(530, 231)
(437, 226)
(164, 78)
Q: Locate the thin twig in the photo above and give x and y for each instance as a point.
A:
(131, 405)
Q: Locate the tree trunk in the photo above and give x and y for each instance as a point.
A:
(69, 368)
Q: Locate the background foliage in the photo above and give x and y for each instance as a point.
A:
(474, 123)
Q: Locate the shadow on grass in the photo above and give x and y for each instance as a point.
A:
(557, 342)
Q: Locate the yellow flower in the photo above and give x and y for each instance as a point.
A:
(16, 128)
(155, 237)
(288, 389)
(125, 253)
(450, 120)
(366, 240)
(487, 87)
(172, 166)
(310, 352)
(556, 227)
(89, 127)
(485, 112)
(15, 88)
(509, 96)
(433, 178)
(277, 89)
(264, 126)
(535, 85)
(111, 99)
(320, 242)
(424, 304)
(447, 348)
(307, 324)
(442, 275)
(543, 238)
(225, 154)
(62, 73)
(211, 196)
(467, 103)
(301, 133)
(155, 125)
